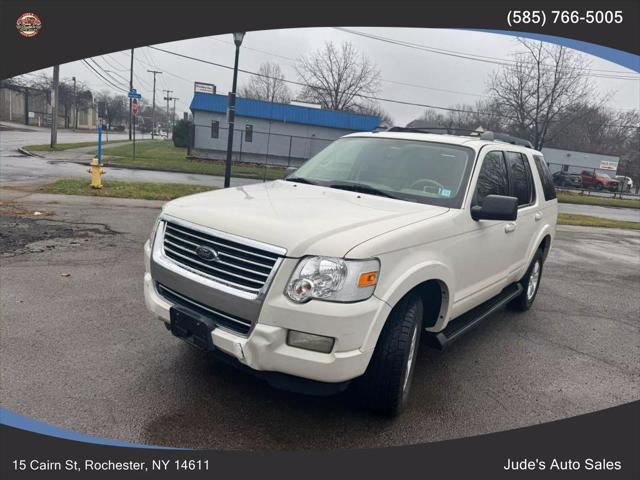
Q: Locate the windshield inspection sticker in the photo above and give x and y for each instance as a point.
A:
(444, 192)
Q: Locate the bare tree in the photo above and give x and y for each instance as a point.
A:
(117, 108)
(484, 114)
(268, 85)
(374, 108)
(337, 77)
(539, 87)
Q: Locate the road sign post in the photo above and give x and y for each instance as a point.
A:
(134, 96)
(135, 121)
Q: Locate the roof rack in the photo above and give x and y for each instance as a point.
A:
(482, 135)
(447, 130)
(505, 137)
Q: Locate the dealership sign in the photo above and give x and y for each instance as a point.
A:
(199, 87)
(607, 165)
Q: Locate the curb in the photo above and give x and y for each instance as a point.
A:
(29, 154)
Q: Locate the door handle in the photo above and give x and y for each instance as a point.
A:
(538, 216)
(510, 227)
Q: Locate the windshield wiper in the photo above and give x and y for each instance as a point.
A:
(359, 187)
(301, 180)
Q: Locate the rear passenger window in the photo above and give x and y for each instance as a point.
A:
(521, 184)
(545, 177)
(493, 179)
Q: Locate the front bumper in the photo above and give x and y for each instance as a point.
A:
(355, 326)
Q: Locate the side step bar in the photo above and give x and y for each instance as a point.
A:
(464, 323)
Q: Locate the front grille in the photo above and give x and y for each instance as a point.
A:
(236, 324)
(238, 265)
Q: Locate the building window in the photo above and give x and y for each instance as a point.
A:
(215, 129)
(248, 133)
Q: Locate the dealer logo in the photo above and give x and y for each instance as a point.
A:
(28, 24)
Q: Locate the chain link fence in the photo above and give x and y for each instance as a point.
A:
(587, 179)
(255, 146)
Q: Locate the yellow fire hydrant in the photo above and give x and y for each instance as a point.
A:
(96, 172)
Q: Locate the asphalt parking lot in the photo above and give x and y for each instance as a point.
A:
(79, 350)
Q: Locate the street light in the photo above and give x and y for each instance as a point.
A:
(231, 109)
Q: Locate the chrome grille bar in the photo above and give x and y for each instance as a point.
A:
(242, 266)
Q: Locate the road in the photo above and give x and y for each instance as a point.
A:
(80, 351)
(628, 214)
(16, 168)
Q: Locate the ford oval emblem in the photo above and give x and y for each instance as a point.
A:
(207, 254)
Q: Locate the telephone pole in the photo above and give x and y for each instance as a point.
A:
(54, 106)
(153, 108)
(130, 100)
(173, 117)
(75, 105)
(168, 98)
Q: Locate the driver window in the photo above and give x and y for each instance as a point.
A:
(493, 179)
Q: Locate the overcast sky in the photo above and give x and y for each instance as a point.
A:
(437, 79)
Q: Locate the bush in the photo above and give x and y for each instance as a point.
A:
(181, 133)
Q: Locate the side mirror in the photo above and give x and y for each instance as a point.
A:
(496, 207)
(290, 170)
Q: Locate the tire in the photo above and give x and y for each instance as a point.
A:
(385, 386)
(523, 302)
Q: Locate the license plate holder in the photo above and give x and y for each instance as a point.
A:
(192, 327)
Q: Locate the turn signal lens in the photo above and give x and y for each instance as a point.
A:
(368, 279)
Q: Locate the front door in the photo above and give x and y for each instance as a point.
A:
(487, 249)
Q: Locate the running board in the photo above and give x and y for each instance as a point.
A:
(466, 322)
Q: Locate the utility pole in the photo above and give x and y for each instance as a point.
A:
(173, 117)
(130, 100)
(54, 106)
(168, 98)
(75, 105)
(153, 108)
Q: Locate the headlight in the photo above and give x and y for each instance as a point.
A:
(333, 279)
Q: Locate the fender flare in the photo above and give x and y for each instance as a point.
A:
(418, 274)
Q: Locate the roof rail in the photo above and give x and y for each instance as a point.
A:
(483, 135)
(505, 137)
(440, 130)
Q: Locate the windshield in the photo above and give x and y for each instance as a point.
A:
(415, 171)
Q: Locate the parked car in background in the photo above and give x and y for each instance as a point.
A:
(566, 179)
(599, 181)
(627, 183)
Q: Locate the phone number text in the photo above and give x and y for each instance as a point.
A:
(540, 17)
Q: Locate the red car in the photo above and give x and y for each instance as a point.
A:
(591, 179)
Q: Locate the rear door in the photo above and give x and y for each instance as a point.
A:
(524, 230)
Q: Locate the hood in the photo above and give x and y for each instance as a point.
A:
(303, 219)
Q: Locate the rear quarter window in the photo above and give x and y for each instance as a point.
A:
(545, 177)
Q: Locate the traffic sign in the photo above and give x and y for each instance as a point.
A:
(133, 93)
(135, 106)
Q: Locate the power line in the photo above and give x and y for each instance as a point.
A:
(110, 72)
(394, 82)
(108, 82)
(618, 75)
(106, 72)
(368, 97)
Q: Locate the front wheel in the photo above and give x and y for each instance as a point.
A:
(530, 284)
(385, 385)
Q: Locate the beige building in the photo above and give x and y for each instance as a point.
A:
(32, 107)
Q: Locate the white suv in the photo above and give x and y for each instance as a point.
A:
(333, 274)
